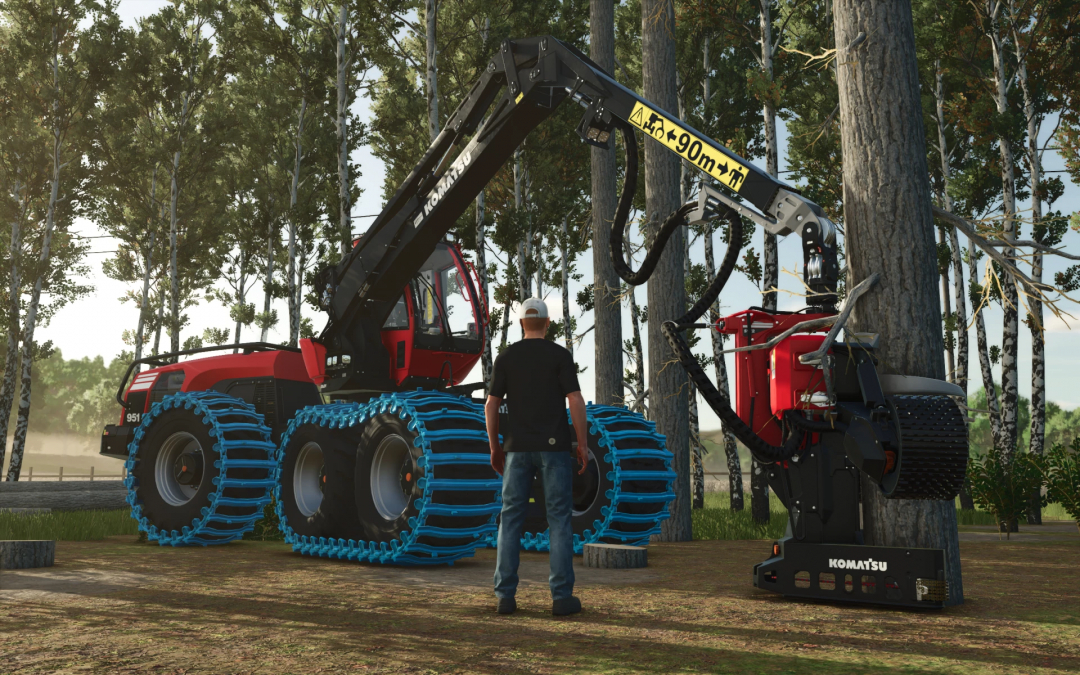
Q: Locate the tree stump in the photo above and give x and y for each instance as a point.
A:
(21, 554)
(615, 556)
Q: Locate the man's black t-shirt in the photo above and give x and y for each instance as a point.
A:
(535, 376)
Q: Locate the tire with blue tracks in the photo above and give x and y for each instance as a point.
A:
(423, 490)
(623, 495)
(317, 488)
(200, 469)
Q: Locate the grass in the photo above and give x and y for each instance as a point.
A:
(979, 517)
(717, 521)
(67, 525)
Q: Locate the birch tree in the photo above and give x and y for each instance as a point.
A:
(65, 50)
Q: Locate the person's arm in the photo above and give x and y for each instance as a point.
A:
(491, 419)
(577, 416)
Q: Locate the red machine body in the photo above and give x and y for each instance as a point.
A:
(770, 381)
(434, 335)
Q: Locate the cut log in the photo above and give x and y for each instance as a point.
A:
(615, 556)
(21, 554)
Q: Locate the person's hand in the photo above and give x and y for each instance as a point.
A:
(583, 454)
(498, 459)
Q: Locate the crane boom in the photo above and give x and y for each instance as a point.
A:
(521, 86)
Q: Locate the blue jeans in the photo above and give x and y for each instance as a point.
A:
(556, 469)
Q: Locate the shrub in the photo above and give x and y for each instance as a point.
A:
(1060, 469)
(1004, 487)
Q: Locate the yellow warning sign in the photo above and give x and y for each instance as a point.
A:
(689, 147)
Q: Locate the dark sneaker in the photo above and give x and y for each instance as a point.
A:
(507, 606)
(565, 606)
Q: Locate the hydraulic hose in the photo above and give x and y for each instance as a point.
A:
(673, 330)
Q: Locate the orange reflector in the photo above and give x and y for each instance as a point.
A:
(776, 549)
(408, 477)
(183, 468)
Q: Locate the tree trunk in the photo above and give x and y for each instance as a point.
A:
(985, 366)
(294, 293)
(770, 264)
(481, 271)
(770, 272)
(950, 344)
(26, 359)
(241, 298)
(1011, 328)
(607, 310)
(269, 279)
(568, 329)
(144, 300)
(174, 278)
(640, 392)
(731, 448)
(11, 361)
(1037, 428)
(341, 126)
(431, 78)
(524, 280)
(669, 401)
(890, 230)
(959, 289)
(160, 321)
(697, 452)
(144, 297)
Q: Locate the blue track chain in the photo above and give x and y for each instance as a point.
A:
(639, 442)
(417, 407)
(211, 527)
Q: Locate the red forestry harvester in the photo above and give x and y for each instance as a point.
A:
(394, 467)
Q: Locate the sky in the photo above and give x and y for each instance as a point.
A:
(93, 326)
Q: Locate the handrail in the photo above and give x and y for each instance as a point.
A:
(159, 360)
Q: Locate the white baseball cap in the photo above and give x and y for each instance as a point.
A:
(533, 308)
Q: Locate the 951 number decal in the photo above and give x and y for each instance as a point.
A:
(132, 418)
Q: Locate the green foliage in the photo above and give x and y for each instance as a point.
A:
(67, 525)
(266, 320)
(266, 528)
(1060, 469)
(192, 342)
(76, 396)
(216, 336)
(1002, 485)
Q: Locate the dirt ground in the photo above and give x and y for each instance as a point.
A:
(253, 607)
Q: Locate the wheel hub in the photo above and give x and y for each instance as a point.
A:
(178, 469)
(393, 476)
(309, 479)
(188, 468)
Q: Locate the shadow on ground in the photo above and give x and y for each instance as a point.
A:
(255, 607)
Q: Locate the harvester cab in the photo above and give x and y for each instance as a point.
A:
(385, 472)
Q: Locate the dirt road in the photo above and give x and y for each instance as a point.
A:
(254, 607)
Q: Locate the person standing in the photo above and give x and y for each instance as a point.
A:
(537, 377)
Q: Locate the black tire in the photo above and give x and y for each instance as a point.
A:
(383, 511)
(159, 498)
(336, 515)
(297, 502)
